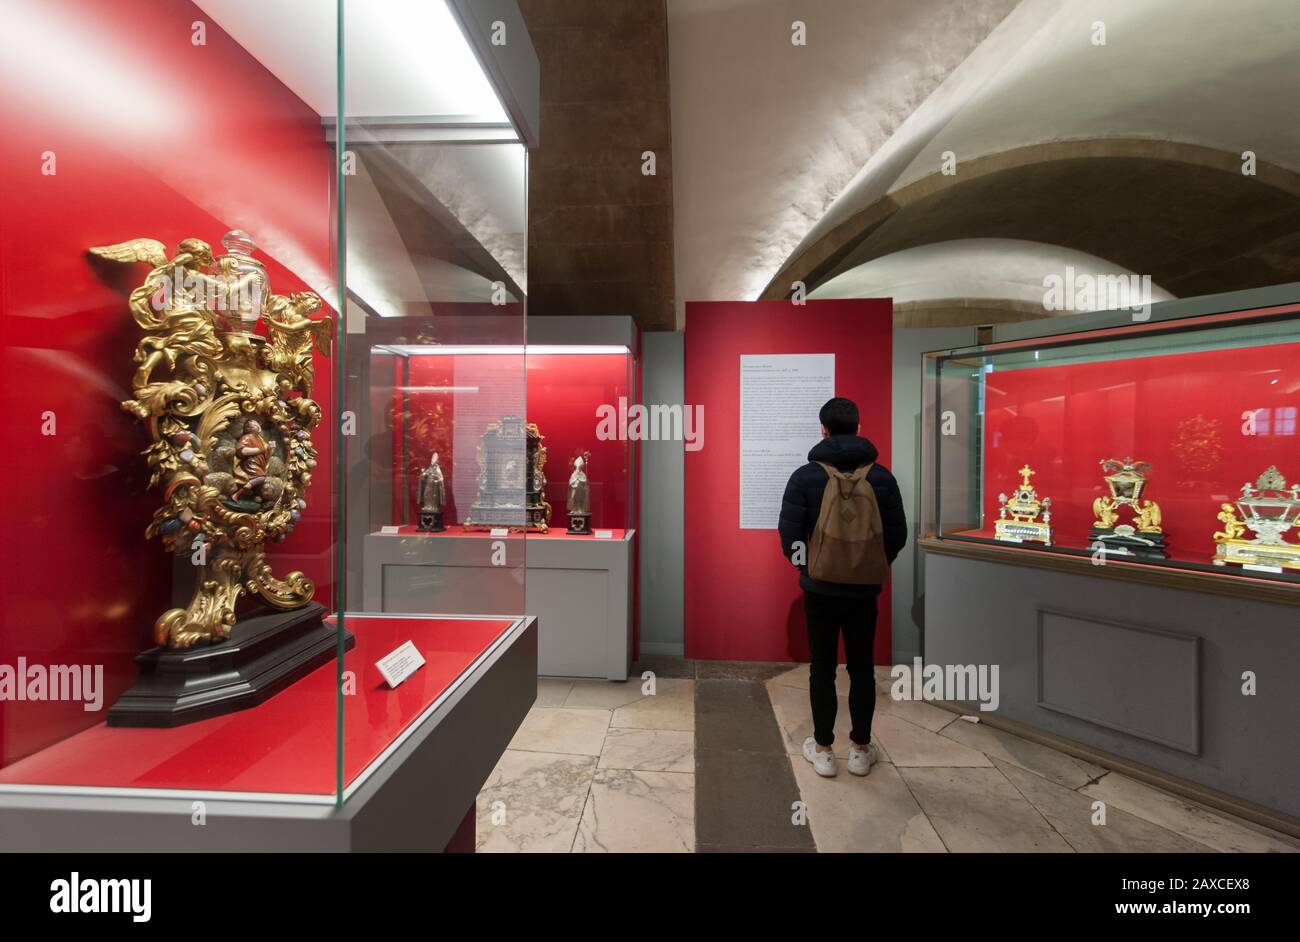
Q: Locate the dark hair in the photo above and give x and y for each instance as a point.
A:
(840, 416)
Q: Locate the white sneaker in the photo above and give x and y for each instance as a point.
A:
(861, 760)
(823, 763)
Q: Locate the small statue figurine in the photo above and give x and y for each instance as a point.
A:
(1233, 529)
(1104, 509)
(580, 497)
(432, 496)
(252, 457)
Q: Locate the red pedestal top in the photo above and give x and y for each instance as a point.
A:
(289, 744)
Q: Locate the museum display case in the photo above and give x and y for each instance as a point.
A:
(571, 388)
(191, 325)
(1168, 444)
(501, 477)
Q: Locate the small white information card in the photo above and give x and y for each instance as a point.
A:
(389, 531)
(499, 531)
(603, 534)
(400, 664)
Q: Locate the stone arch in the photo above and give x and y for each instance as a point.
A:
(1182, 213)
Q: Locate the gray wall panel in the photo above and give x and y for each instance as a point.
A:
(663, 489)
(1126, 677)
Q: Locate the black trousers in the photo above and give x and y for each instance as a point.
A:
(827, 616)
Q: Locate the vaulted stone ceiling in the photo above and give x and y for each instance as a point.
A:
(766, 133)
(1159, 136)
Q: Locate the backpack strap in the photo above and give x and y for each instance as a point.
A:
(859, 473)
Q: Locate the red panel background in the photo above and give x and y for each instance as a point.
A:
(563, 392)
(743, 600)
(210, 141)
(1181, 413)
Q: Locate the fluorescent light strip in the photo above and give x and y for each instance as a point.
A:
(411, 350)
(438, 389)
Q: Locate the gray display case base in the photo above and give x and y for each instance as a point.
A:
(580, 588)
(1148, 673)
(412, 799)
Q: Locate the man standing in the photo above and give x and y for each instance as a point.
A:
(842, 522)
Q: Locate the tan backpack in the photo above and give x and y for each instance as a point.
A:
(848, 543)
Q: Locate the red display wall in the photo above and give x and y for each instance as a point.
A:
(742, 598)
(1181, 413)
(563, 391)
(153, 136)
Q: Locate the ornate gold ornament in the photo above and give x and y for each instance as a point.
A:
(1127, 479)
(1018, 515)
(230, 422)
(1269, 508)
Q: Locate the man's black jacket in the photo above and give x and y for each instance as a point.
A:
(803, 501)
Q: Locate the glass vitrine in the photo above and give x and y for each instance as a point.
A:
(1167, 443)
(201, 295)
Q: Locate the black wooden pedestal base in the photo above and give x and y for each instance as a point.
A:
(264, 654)
(1139, 543)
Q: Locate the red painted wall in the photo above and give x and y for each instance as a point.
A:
(1181, 413)
(743, 600)
(152, 136)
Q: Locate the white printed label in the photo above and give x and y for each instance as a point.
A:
(603, 534)
(1256, 568)
(400, 664)
(390, 531)
(499, 531)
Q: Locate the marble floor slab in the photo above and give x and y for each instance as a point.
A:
(532, 803)
(561, 730)
(978, 810)
(1075, 818)
(672, 707)
(603, 694)
(1047, 762)
(649, 750)
(910, 745)
(638, 812)
(1197, 822)
(875, 814)
(551, 692)
(917, 712)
